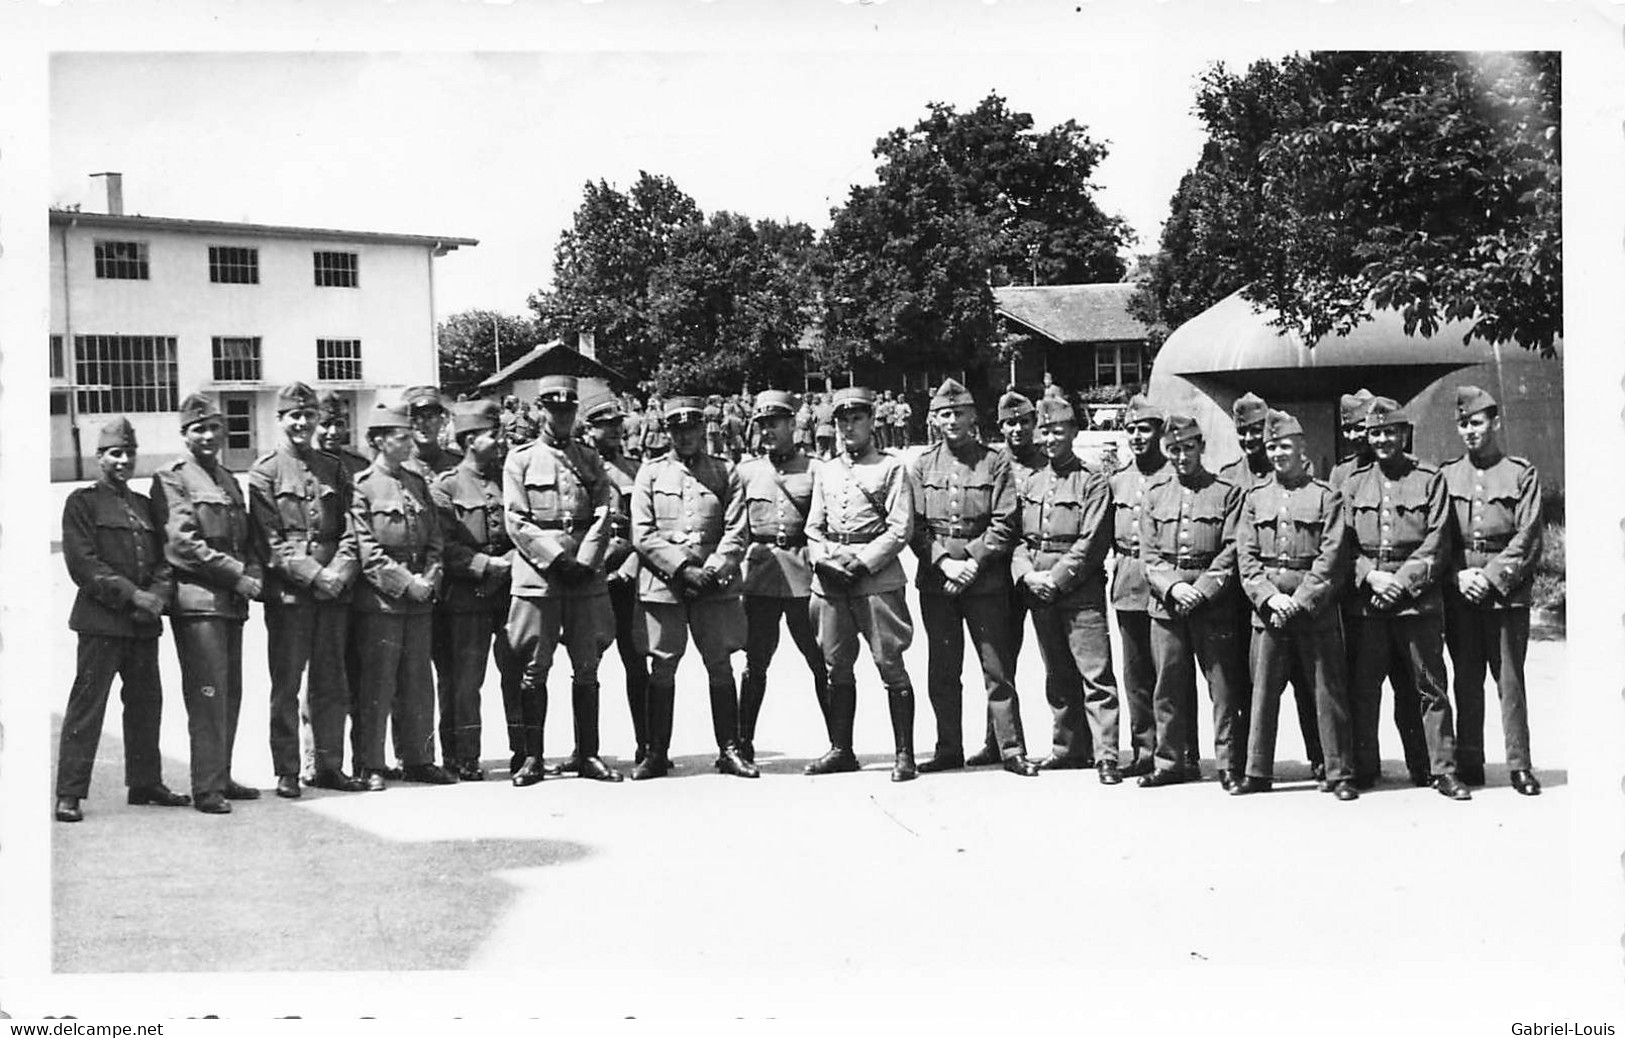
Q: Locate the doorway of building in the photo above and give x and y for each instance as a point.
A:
(240, 439)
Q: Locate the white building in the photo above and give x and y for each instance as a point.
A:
(145, 310)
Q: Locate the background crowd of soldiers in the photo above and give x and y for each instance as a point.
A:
(390, 583)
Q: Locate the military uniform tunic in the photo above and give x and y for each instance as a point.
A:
(1131, 598)
(621, 568)
(1496, 513)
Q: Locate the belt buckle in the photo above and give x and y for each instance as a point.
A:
(781, 541)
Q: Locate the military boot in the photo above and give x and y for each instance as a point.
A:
(843, 705)
(656, 764)
(752, 690)
(637, 701)
(725, 726)
(584, 702)
(989, 753)
(901, 701)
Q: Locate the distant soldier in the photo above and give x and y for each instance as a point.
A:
(115, 555)
(862, 516)
(1397, 509)
(965, 523)
(777, 578)
(299, 499)
(716, 444)
(883, 417)
(631, 428)
(1066, 530)
(1189, 552)
(1293, 559)
(656, 441)
(1495, 502)
(1352, 408)
(733, 430)
(806, 423)
(690, 530)
(901, 412)
(210, 544)
(517, 427)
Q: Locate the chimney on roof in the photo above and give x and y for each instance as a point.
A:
(115, 192)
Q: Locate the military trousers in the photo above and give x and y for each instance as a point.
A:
(632, 645)
(946, 618)
(762, 613)
(397, 687)
(881, 618)
(718, 626)
(472, 639)
(1076, 648)
(1303, 698)
(307, 636)
(1496, 640)
(135, 662)
(536, 627)
(1407, 706)
(1413, 645)
(1205, 638)
(1139, 685)
(211, 655)
(1309, 652)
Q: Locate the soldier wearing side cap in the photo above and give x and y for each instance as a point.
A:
(217, 561)
(965, 526)
(473, 604)
(558, 502)
(1397, 511)
(1495, 505)
(299, 499)
(862, 516)
(115, 555)
(1292, 556)
(777, 578)
(428, 410)
(690, 530)
(1351, 411)
(1066, 515)
(333, 438)
(1189, 553)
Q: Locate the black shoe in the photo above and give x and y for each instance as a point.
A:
(395, 774)
(1452, 787)
(1229, 780)
(1470, 774)
(1162, 777)
(655, 765)
(950, 761)
(1421, 778)
(1525, 782)
(1109, 774)
(469, 771)
(1317, 770)
(1365, 782)
(729, 762)
(594, 768)
(1137, 767)
(568, 766)
(1250, 784)
(747, 751)
(641, 752)
(212, 803)
(333, 779)
(1020, 765)
(431, 774)
(904, 769)
(836, 760)
(157, 794)
(287, 787)
(67, 810)
(1054, 763)
(237, 791)
(1345, 790)
(530, 772)
(514, 762)
(984, 757)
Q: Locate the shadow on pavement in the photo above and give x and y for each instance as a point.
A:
(272, 886)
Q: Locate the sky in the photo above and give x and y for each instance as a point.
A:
(497, 146)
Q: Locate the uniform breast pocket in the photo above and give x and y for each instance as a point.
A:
(1308, 524)
(934, 491)
(116, 530)
(975, 499)
(763, 510)
(666, 495)
(392, 525)
(1065, 519)
(542, 492)
(292, 503)
(214, 513)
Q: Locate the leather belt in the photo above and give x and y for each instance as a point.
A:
(1190, 561)
(566, 525)
(850, 538)
(406, 556)
(1395, 555)
(1488, 545)
(1298, 564)
(963, 531)
(781, 540)
(1050, 543)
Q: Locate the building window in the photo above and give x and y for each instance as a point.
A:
(239, 424)
(338, 360)
(236, 359)
(337, 270)
(122, 259)
(58, 364)
(1119, 364)
(230, 265)
(125, 373)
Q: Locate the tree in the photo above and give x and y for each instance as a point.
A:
(1332, 184)
(963, 202)
(468, 346)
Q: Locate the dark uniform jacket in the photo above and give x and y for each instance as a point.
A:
(778, 499)
(1291, 541)
(1191, 538)
(207, 538)
(1130, 591)
(688, 513)
(299, 500)
(965, 507)
(475, 532)
(432, 462)
(1024, 463)
(398, 536)
(1398, 525)
(1244, 474)
(1496, 514)
(1343, 469)
(558, 499)
(113, 549)
(864, 506)
(1066, 515)
(619, 558)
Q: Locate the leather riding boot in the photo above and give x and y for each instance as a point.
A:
(843, 708)
(901, 702)
(660, 704)
(724, 711)
(752, 689)
(729, 762)
(637, 701)
(584, 703)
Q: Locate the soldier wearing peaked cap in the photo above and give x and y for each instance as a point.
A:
(218, 565)
(333, 433)
(1351, 409)
(964, 530)
(1495, 506)
(115, 556)
(861, 518)
(299, 499)
(690, 530)
(1292, 557)
(428, 410)
(1397, 511)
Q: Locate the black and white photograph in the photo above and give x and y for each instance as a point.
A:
(1033, 514)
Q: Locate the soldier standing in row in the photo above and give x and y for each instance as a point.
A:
(209, 543)
(901, 412)
(115, 556)
(964, 530)
(689, 529)
(777, 579)
(1065, 527)
(1351, 409)
(862, 516)
(299, 498)
(1495, 502)
(1292, 557)
(333, 438)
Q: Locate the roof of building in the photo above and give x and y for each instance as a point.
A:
(1072, 313)
(554, 358)
(441, 244)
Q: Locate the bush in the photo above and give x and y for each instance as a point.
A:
(1550, 588)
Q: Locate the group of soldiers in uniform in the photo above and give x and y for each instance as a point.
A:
(384, 578)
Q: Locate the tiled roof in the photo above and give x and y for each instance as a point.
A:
(1072, 313)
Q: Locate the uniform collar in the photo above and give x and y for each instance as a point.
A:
(1069, 465)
